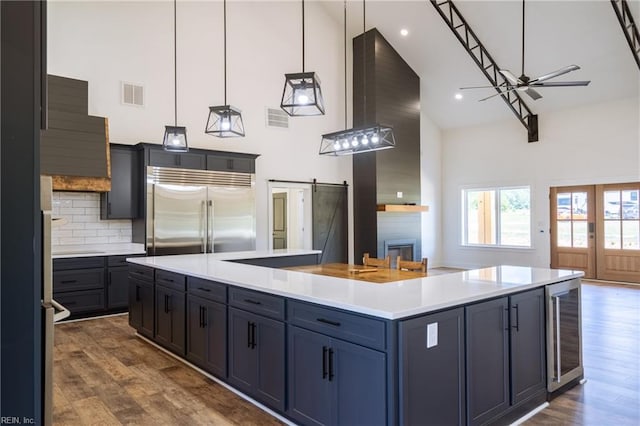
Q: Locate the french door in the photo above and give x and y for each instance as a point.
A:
(596, 229)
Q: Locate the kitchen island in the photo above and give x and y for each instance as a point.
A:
(461, 348)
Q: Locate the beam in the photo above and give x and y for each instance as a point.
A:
(629, 27)
(487, 65)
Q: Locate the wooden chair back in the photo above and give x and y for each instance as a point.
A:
(410, 265)
(372, 261)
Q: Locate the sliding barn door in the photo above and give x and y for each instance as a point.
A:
(330, 227)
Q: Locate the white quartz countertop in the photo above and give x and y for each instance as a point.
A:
(393, 300)
(88, 250)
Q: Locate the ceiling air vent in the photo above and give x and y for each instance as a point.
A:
(132, 94)
(277, 118)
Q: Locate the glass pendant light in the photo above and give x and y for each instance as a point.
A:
(225, 121)
(302, 94)
(175, 137)
(366, 138)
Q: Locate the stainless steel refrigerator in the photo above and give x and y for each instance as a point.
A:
(199, 211)
(52, 311)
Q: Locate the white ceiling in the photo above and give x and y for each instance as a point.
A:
(558, 33)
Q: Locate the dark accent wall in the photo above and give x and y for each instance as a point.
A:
(22, 24)
(392, 98)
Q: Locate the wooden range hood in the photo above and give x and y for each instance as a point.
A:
(74, 149)
(399, 208)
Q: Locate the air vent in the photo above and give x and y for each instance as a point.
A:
(132, 94)
(277, 118)
(189, 177)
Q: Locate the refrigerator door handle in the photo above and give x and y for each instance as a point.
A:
(210, 224)
(204, 231)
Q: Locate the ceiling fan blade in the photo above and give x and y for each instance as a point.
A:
(508, 75)
(561, 83)
(481, 87)
(533, 94)
(497, 94)
(556, 73)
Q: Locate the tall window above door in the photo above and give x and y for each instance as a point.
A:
(497, 217)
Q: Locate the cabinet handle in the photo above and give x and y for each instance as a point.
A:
(331, 364)
(324, 362)
(249, 334)
(230, 164)
(253, 302)
(68, 281)
(109, 208)
(326, 321)
(204, 289)
(253, 335)
(517, 326)
(204, 316)
(200, 316)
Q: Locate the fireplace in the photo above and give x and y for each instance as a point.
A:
(405, 248)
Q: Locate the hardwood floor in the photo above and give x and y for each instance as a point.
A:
(103, 374)
(611, 358)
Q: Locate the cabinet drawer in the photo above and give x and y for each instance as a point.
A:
(258, 303)
(350, 327)
(210, 290)
(81, 301)
(78, 263)
(141, 272)
(81, 279)
(120, 260)
(230, 164)
(170, 279)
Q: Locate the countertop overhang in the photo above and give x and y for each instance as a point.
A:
(395, 300)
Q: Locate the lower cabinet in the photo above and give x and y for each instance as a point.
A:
(335, 382)
(431, 369)
(170, 318)
(117, 287)
(257, 357)
(505, 354)
(141, 306)
(207, 335)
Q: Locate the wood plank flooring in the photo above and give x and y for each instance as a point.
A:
(105, 375)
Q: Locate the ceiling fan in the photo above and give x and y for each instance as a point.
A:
(526, 84)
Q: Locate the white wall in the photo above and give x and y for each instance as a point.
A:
(109, 42)
(588, 145)
(431, 187)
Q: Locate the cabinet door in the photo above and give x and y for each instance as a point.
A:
(243, 359)
(141, 306)
(230, 164)
(170, 318)
(360, 384)
(117, 286)
(160, 158)
(432, 378)
(487, 326)
(309, 386)
(528, 369)
(270, 345)
(191, 161)
(121, 202)
(207, 335)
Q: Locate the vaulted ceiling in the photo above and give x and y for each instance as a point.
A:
(558, 33)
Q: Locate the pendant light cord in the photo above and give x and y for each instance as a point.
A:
(345, 64)
(364, 60)
(302, 35)
(175, 66)
(522, 37)
(225, 50)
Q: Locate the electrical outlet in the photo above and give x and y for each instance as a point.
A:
(399, 194)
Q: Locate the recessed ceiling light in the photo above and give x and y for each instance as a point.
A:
(458, 96)
(404, 32)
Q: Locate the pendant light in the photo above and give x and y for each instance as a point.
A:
(225, 121)
(302, 94)
(366, 138)
(175, 137)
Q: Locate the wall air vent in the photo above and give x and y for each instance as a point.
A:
(132, 94)
(277, 118)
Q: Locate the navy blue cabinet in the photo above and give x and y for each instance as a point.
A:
(257, 357)
(117, 287)
(431, 369)
(121, 202)
(207, 335)
(170, 318)
(335, 382)
(141, 306)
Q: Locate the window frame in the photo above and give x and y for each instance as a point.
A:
(498, 213)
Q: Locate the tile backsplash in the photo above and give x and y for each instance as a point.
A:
(83, 225)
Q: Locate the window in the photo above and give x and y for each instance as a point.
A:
(497, 217)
